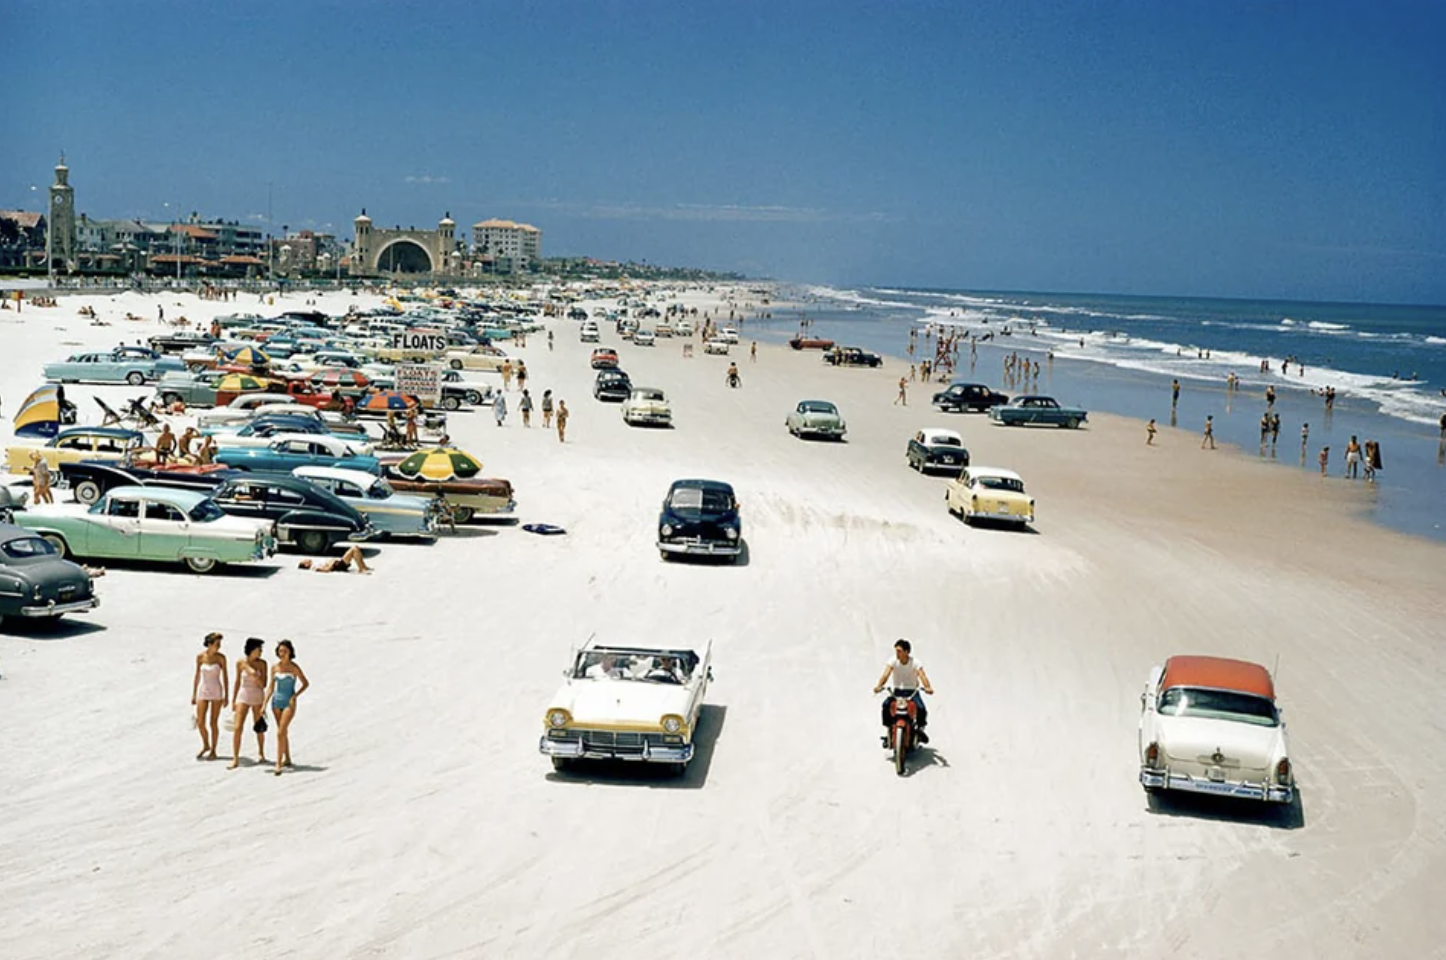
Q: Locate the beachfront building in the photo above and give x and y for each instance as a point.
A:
(305, 252)
(503, 246)
(22, 237)
(411, 250)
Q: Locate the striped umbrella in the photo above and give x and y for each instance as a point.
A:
(251, 357)
(343, 377)
(39, 415)
(386, 400)
(439, 464)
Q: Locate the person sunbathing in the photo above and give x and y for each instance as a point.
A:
(342, 564)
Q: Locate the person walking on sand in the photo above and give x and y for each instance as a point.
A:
(903, 396)
(208, 693)
(546, 409)
(248, 697)
(506, 374)
(1174, 393)
(525, 405)
(1209, 433)
(1325, 459)
(561, 421)
(1270, 396)
(499, 408)
(1150, 433)
(40, 478)
(753, 351)
(288, 683)
(549, 339)
(1353, 458)
(522, 375)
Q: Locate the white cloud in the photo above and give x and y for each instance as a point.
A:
(427, 179)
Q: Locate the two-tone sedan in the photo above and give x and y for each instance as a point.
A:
(1030, 410)
(75, 444)
(933, 449)
(304, 514)
(104, 368)
(816, 418)
(1211, 725)
(36, 583)
(989, 493)
(151, 523)
(393, 514)
(636, 703)
(285, 453)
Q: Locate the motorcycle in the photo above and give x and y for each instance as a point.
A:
(734, 380)
(903, 735)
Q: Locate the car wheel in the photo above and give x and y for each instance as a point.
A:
(562, 764)
(456, 364)
(135, 378)
(451, 403)
(664, 555)
(170, 398)
(1072, 423)
(200, 564)
(58, 542)
(474, 398)
(463, 514)
(312, 541)
(677, 770)
(87, 492)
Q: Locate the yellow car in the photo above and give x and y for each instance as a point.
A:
(480, 357)
(73, 445)
(989, 493)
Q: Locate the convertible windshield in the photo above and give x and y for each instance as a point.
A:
(26, 547)
(1000, 483)
(642, 667)
(698, 498)
(1218, 704)
(206, 511)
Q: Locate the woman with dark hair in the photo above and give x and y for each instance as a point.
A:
(208, 693)
(283, 694)
(248, 696)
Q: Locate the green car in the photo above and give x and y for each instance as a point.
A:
(152, 523)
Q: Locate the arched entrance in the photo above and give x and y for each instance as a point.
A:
(404, 256)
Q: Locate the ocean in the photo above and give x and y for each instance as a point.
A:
(1387, 364)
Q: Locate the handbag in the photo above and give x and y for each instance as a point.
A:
(260, 725)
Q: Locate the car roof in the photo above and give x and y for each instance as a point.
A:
(185, 499)
(693, 482)
(1219, 673)
(359, 477)
(119, 433)
(931, 433)
(994, 472)
(8, 532)
(826, 402)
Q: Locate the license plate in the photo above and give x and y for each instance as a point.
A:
(1003, 508)
(1215, 774)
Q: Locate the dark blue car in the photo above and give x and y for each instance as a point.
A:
(700, 518)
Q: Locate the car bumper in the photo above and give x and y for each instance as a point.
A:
(1152, 779)
(836, 432)
(577, 749)
(640, 416)
(53, 609)
(939, 463)
(704, 548)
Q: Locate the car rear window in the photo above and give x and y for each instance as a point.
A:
(24, 548)
(1218, 704)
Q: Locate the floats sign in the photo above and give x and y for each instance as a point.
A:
(420, 341)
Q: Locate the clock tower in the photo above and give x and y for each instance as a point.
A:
(60, 224)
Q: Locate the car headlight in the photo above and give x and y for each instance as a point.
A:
(37, 591)
(672, 724)
(557, 718)
(731, 533)
(666, 530)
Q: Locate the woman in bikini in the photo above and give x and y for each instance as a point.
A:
(249, 695)
(288, 683)
(208, 693)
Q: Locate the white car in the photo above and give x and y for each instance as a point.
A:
(647, 405)
(589, 333)
(989, 493)
(728, 335)
(242, 409)
(643, 338)
(683, 328)
(1210, 725)
(716, 346)
(628, 703)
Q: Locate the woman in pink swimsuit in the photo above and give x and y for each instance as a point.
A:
(208, 694)
(248, 695)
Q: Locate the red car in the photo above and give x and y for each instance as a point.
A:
(604, 358)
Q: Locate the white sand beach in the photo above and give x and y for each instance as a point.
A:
(421, 821)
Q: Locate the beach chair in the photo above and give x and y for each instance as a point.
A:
(111, 418)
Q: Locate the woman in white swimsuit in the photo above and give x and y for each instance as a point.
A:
(208, 694)
(249, 696)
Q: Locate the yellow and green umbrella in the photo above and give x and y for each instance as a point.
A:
(440, 464)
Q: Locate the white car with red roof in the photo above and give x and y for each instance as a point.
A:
(1211, 725)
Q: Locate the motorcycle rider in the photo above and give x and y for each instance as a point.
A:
(733, 378)
(906, 676)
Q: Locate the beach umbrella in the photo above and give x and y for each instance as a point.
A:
(386, 400)
(251, 357)
(343, 377)
(439, 464)
(39, 415)
(239, 383)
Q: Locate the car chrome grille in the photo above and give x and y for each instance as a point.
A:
(620, 741)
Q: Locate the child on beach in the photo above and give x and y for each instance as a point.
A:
(208, 693)
(561, 421)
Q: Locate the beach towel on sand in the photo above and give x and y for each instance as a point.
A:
(546, 529)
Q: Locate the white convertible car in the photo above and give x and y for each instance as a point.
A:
(1210, 725)
(628, 703)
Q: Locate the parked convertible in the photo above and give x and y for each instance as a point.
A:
(816, 418)
(932, 449)
(285, 454)
(1033, 409)
(628, 703)
(36, 583)
(1210, 725)
(151, 523)
(304, 514)
(77, 443)
(989, 493)
(963, 397)
(393, 514)
(700, 517)
(647, 405)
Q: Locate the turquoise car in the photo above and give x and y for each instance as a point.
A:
(285, 454)
(116, 367)
(151, 523)
(1035, 409)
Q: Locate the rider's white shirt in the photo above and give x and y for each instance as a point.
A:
(905, 674)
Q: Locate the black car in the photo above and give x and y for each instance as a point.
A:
(700, 517)
(962, 397)
(852, 357)
(937, 450)
(181, 342)
(613, 385)
(89, 480)
(36, 583)
(306, 515)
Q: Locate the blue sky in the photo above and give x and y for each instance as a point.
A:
(1245, 149)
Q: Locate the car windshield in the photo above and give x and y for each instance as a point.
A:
(25, 548)
(1219, 705)
(206, 511)
(1000, 483)
(818, 406)
(647, 395)
(634, 665)
(706, 499)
